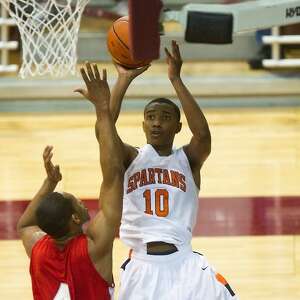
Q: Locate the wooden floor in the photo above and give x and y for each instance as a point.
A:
(255, 152)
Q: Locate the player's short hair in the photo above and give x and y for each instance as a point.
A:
(53, 214)
(164, 101)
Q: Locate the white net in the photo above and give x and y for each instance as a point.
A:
(49, 32)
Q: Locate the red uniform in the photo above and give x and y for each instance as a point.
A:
(50, 267)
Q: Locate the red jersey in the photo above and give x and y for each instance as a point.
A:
(51, 267)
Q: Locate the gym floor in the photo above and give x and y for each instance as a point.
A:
(248, 225)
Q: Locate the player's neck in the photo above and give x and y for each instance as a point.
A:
(62, 241)
(163, 150)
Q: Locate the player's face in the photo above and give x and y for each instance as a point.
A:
(160, 124)
(79, 208)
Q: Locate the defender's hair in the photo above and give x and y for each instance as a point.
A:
(165, 101)
(53, 214)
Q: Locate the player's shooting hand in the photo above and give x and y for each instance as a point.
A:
(97, 90)
(53, 172)
(130, 74)
(174, 61)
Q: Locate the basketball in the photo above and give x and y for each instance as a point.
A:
(118, 44)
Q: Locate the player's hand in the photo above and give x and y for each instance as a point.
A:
(53, 172)
(97, 90)
(174, 61)
(130, 74)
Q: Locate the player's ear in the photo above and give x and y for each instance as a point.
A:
(144, 126)
(179, 126)
(76, 219)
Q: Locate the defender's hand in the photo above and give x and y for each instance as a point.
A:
(174, 61)
(53, 172)
(97, 88)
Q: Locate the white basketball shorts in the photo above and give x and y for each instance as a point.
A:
(183, 275)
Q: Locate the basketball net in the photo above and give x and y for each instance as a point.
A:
(49, 32)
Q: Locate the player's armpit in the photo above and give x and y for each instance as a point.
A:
(102, 260)
(197, 151)
(130, 153)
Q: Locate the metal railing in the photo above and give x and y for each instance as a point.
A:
(5, 44)
(276, 41)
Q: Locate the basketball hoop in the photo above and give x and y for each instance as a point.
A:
(49, 32)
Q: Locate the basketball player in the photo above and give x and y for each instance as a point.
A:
(65, 262)
(161, 186)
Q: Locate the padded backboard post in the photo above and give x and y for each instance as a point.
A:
(144, 28)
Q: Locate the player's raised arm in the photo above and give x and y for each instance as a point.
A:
(103, 227)
(125, 77)
(27, 227)
(199, 147)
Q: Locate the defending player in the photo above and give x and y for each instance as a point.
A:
(65, 262)
(161, 188)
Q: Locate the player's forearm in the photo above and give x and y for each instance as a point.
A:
(111, 162)
(28, 217)
(111, 197)
(117, 95)
(109, 145)
(194, 115)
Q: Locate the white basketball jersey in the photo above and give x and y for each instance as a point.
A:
(160, 199)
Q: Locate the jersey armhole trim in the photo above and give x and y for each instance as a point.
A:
(190, 169)
(138, 152)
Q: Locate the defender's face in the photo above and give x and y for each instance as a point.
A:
(80, 209)
(160, 124)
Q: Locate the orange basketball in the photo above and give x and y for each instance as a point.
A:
(118, 39)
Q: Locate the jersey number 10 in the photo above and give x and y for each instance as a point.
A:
(161, 202)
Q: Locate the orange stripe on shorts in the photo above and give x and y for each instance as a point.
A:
(221, 279)
(130, 253)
